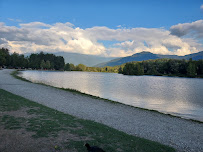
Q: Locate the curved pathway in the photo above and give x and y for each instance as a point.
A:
(184, 135)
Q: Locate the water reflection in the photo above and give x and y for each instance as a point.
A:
(178, 96)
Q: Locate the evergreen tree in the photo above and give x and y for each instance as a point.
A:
(43, 64)
(48, 65)
(191, 69)
(67, 67)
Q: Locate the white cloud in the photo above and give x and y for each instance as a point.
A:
(14, 20)
(201, 7)
(34, 25)
(38, 36)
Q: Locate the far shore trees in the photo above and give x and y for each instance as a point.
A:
(167, 67)
(46, 61)
(34, 61)
(170, 67)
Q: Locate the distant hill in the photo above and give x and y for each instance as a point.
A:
(88, 60)
(77, 58)
(147, 56)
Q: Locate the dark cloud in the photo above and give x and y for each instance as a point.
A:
(3, 41)
(178, 31)
(37, 36)
(194, 29)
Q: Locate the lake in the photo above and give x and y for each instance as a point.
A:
(172, 95)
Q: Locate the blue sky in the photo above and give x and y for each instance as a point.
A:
(112, 14)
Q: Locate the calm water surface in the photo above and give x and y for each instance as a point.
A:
(178, 96)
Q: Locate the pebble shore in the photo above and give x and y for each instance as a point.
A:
(183, 135)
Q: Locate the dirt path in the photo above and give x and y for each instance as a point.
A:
(184, 135)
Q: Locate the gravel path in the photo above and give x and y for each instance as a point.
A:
(184, 135)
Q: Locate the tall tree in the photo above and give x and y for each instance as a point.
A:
(67, 67)
(4, 57)
(42, 64)
(191, 69)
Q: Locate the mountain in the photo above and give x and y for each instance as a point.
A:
(147, 56)
(77, 58)
(88, 60)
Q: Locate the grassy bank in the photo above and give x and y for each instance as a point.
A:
(40, 122)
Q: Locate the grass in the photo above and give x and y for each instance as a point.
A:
(45, 122)
(16, 73)
(10, 122)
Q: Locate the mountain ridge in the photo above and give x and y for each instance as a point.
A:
(147, 56)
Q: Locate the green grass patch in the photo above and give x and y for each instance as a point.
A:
(47, 122)
(11, 122)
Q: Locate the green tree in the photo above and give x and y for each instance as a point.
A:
(133, 69)
(200, 67)
(120, 70)
(80, 67)
(138, 69)
(183, 67)
(43, 64)
(191, 69)
(67, 67)
(48, 64)
(59, 63)
(14, 60)
(4, 57)
(72, 67)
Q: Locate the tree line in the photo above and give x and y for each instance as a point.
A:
(82, 67)
(45, 61)
(170, 67)
(34, 61)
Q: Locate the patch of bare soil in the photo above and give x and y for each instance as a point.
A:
(21, 140)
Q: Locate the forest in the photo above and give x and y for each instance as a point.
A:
(34, 61)
(160, 67)
(168, 67)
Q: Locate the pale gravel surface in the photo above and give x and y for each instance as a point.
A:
(184, 135)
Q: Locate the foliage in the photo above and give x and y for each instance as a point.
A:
(80, 67)
(69, 67)
(46, 61)
(174, 67)
(4, 56)
(34, 61)
(171, 67)
(133, 69)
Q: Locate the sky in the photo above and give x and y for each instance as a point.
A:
(112, 28)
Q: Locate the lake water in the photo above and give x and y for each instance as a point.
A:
(177, 96)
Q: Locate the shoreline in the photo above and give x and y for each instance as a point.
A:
(17, 73)
(182, 134)
(26, 120)
(160, 75)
